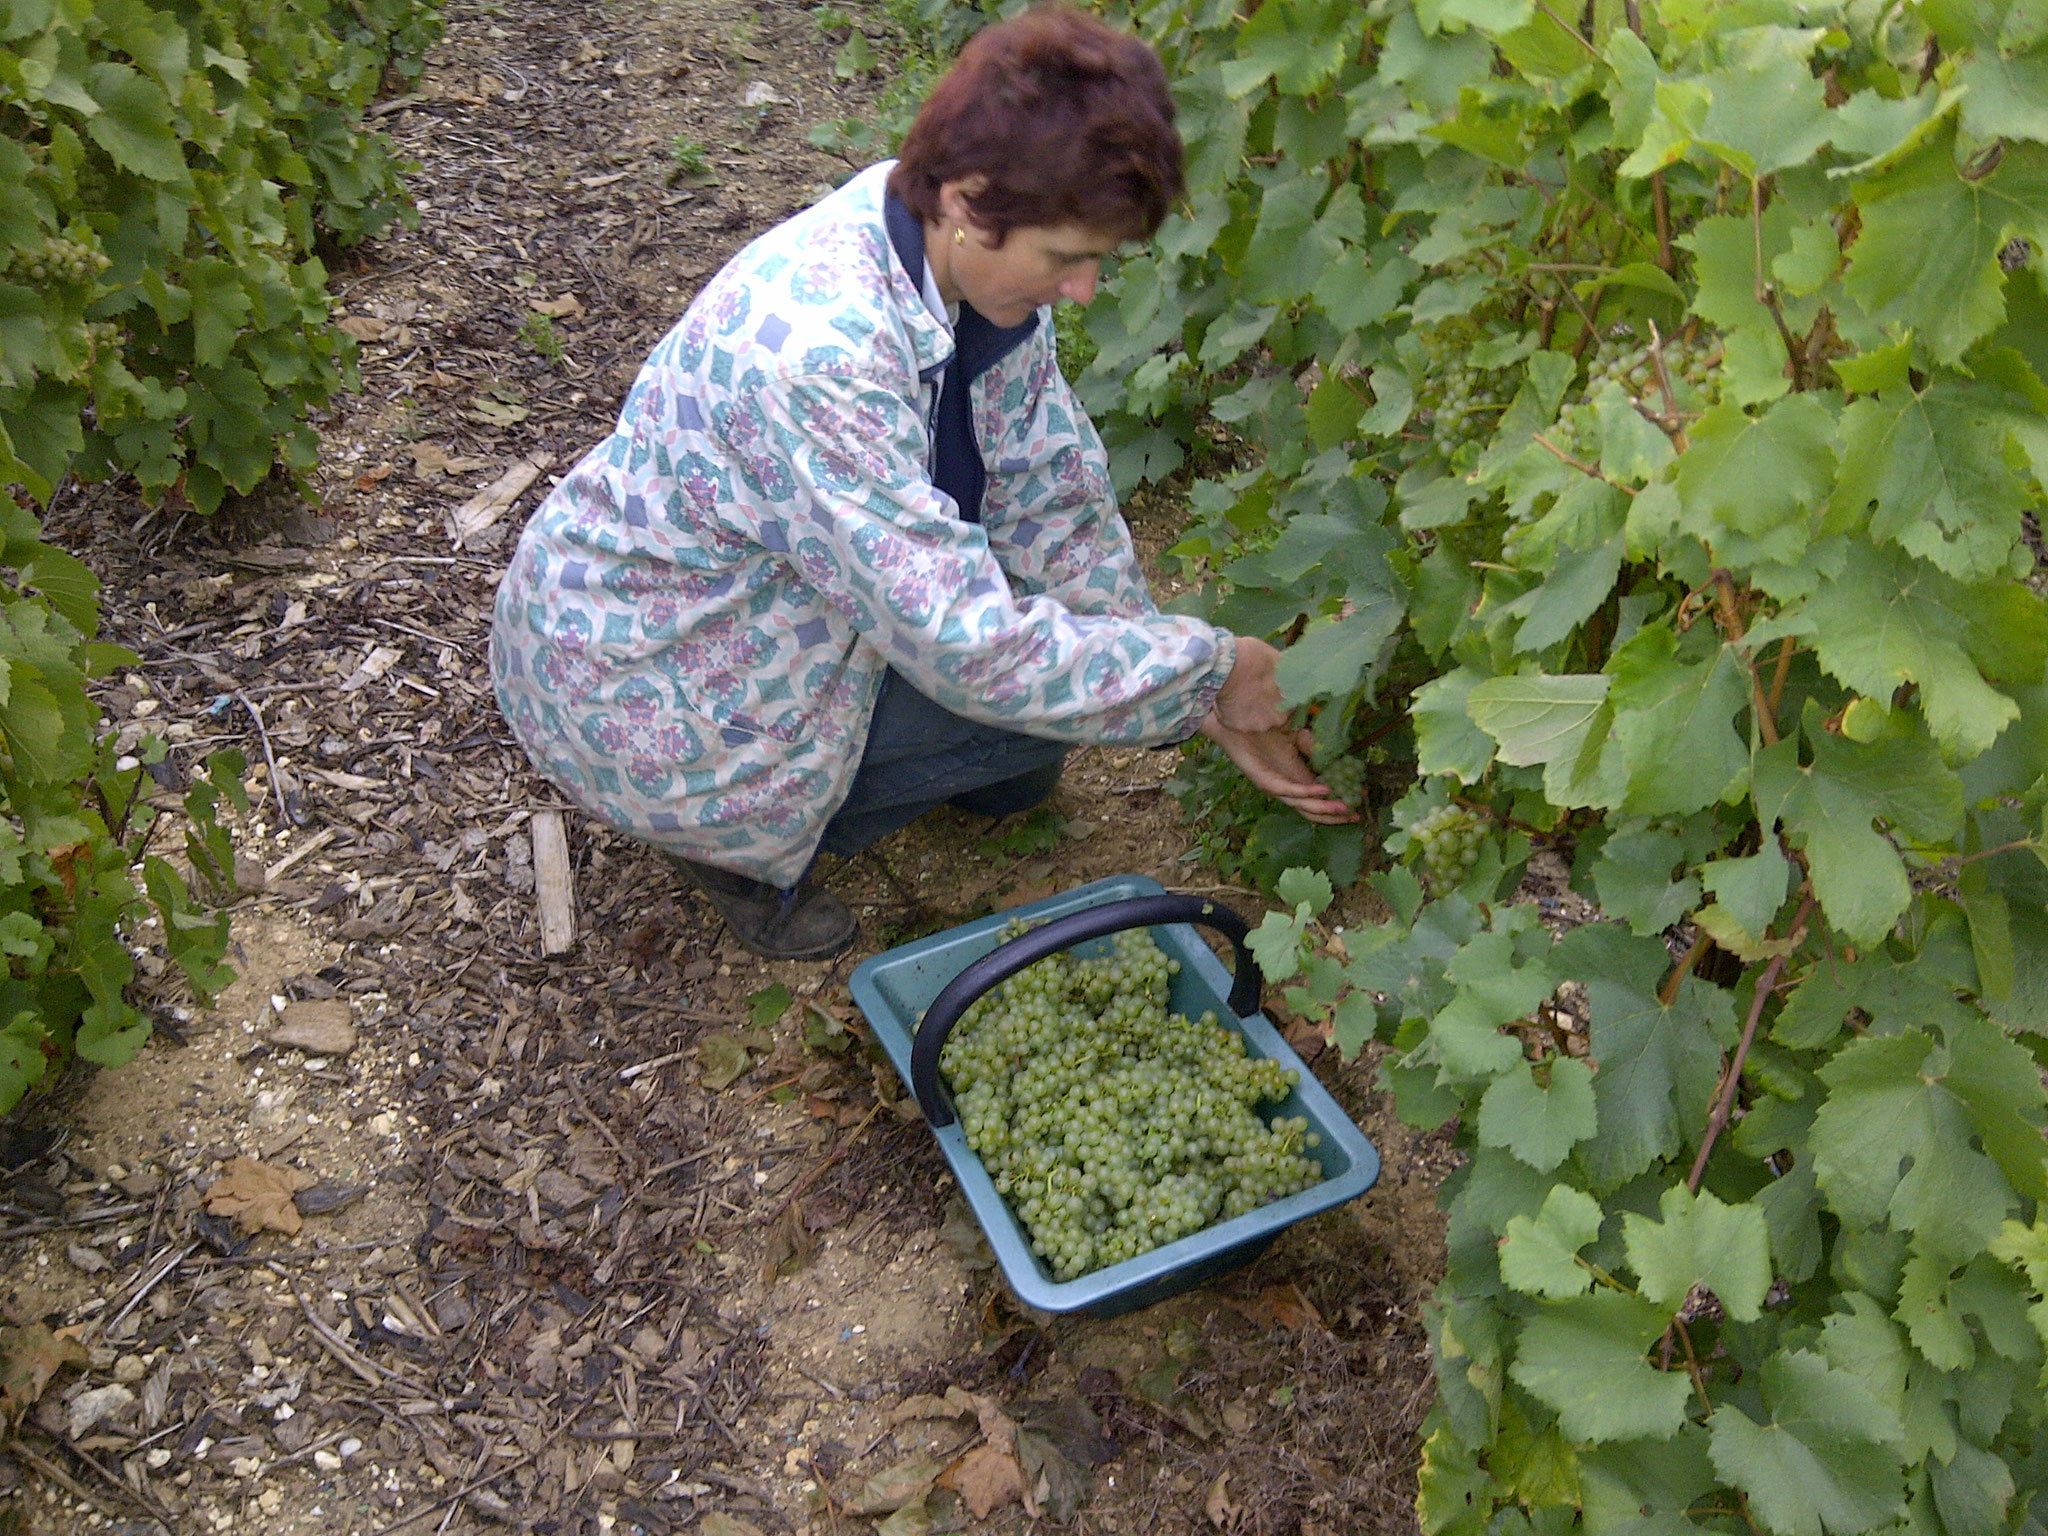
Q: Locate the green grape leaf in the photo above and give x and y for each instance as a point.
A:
(1927, 257)
(1891, 995)
(1538, 1254)
(1747, 486)
(1898, 1137)
(1276, 945)
(1700, 1241)
(1828, 808)
(1446, 739)
(1887, 620)
(1865, 1342)
(1583, 1357)
(1284, 259)
(1630, 447)
(1930, 1318)
(1539, 1124)
(1973, 1489)
(134, 124)
(1633, 876)
(1331, 658)
(1537, 717)
(1577, 586)
(1304, 888)
(2005, 98)
(1674, 722)
(1297, 44)
(1930, 469)
(1824, 1461)
(1658, 1070)
(1492, 990)
(110, 1032)
(1765, 116)
(1752, 889)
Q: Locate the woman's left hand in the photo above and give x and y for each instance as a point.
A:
(1275, 761)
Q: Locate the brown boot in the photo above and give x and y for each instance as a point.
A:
(806, 923)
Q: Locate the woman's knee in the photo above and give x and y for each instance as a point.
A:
(1007, 797)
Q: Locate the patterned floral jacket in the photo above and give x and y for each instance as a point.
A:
(693, 630)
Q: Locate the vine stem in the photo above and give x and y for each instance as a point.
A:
(1732, 628)
(1581, 466)
(1784, 670)
(1767, 291)
(1692, 1365)
(1731, 1079)
(1668, 993)
(1572, 31)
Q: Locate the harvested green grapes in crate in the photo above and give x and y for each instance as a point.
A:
(1109, 1124)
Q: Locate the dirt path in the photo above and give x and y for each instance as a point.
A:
(551, 1277)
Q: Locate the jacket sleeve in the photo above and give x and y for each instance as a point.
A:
(1050, 509)
(835, 465)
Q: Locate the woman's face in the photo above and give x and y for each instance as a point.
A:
(1037, 264)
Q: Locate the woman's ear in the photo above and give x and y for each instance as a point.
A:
(954, 200)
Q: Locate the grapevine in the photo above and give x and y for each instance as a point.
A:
(1640, 407)
(1109, 1124)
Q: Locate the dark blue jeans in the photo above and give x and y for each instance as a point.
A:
(920, 756)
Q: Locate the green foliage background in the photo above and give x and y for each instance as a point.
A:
(167, 171)
(1642, 413)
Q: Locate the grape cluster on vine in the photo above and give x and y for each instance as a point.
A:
(1448, 841)
(1344, 777)
(1109, 1124)
(56, 262)
(1625, 359)
(1464, 403)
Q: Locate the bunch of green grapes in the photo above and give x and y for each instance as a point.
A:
(1109, 1124)
(1464, 404)
(1344, 777)
(1623, 358)
(57, 261)
(1448, 840)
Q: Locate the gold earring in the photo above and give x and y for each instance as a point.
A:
(959, 235)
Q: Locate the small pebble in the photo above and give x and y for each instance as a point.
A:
(350, 1447)
(327, 1461)
(129, 1368)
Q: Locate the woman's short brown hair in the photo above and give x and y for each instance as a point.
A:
(1066, 119)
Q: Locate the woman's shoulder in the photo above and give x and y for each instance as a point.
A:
(822, 292)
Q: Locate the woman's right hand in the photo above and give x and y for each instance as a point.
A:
(1250, 699)
(1275, 761)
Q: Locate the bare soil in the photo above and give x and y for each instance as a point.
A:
(549, 1278)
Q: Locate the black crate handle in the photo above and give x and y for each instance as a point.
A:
(1006, 960)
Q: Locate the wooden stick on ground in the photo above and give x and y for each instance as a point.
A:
(554, 886)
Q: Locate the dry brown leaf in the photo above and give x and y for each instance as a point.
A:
(363, 327)
(258, 1195)
(893, 1487)
(718, 1523)
(987, 1479)
(29, 1357)
(1309, 1040)
(1219, 1506)
(494, 500)
(924, 1405)
(1280, 1306)
(789, 1246)
(567, 307)
(430, 459)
